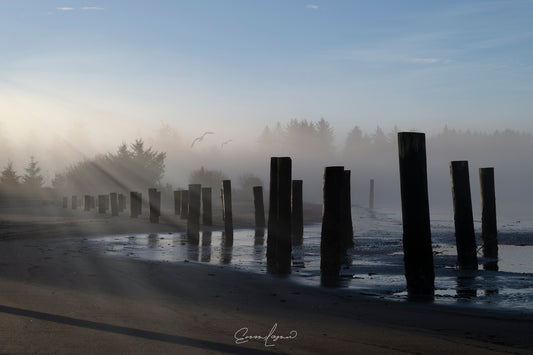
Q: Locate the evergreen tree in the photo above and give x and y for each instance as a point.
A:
(355, 139)
(58, 182)
(151, 163)
(325, 136)
(9, 177)
(33, 179)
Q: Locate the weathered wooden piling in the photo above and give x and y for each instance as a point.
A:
(114, 203)
(135, 204)
(121, 203)
(465, 237)
(227, 211)
(207, 206)
(332, 235)
(297, 212)
(86, 202)
(489, 229)
(193, 222)
(279, 244)
(102, 204)
(154, 201)
(347, 211)
(259, 207)
(371, 195)
(418, 255)
(65, 202)
(184, 210)
(177, 202)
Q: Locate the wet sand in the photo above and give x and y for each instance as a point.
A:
(59, 295)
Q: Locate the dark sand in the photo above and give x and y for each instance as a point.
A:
(58, 295)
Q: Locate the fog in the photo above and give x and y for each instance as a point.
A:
(311, 145)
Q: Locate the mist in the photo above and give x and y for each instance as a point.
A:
(311, 145)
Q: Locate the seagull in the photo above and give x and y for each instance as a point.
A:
(199, 139)
(226, 142)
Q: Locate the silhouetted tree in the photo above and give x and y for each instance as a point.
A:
(9, 177)
(58, 182)
(147, 161)
(379, 139)
(325, 136)
(206, 177)
(33, 179)
(267, 137)
(133, 167)
(355, 139)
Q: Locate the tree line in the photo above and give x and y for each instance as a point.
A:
(29, 184)
(136, 166)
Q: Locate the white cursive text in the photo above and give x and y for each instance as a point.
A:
(241, 336)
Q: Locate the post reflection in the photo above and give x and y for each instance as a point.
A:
(466, 285)
(206, 247)
(226, 250)
(259, 244)
(298, 257)
(193, 249)
(153, 240)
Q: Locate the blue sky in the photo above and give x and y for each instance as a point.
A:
(237, 65)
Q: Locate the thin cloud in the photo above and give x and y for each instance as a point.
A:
(311, 6)
(89, 8)
(64, 8)
(426, 60)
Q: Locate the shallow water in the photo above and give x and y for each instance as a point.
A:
(373, 267)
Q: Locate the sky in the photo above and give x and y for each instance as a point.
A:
(116, 68)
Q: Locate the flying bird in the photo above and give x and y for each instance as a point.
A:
(226, 142)
(199, 139)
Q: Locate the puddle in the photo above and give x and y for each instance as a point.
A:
(374, 266)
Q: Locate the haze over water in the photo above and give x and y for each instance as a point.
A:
(81, 77)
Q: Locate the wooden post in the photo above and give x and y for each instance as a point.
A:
(279, 245)
(464, 220)
(74, 203)
(184, 211)
(347, 211)
(65, 202)
(135, 204)
(259, 207)
(272, 215)
(297, 213)
(86, 203)
(193, 222)
(227, 212)
(177, 202)
(102, 204)
(371, 197)
(114, 203)
(332, 235)
(418, 254)
(489, 229)
(121, 203)
(154, 201)
(207, 209)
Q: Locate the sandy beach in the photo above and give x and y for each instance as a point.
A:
(60, 295)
